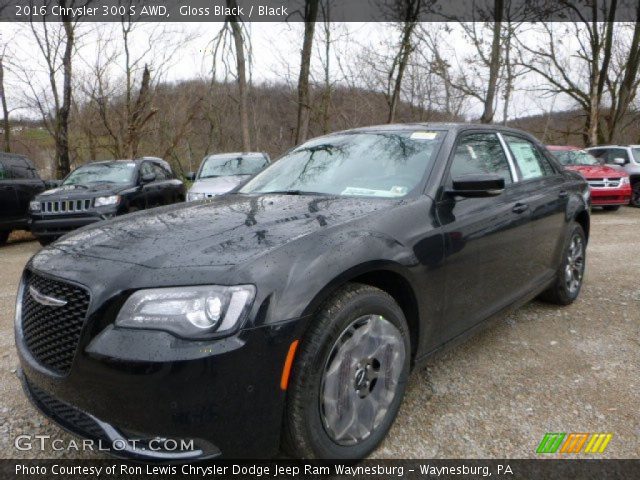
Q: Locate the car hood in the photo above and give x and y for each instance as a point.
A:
(217, 185)
(597, 171)
(224, 231)
(65, 192)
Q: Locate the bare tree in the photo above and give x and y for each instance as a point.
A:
(564, 73)
(410, 13)
(304, 103)
(5, 109)
(56, 44)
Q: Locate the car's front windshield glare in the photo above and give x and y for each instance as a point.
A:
(228, 166)
(373, 164)
(576, 157)
(102, 173)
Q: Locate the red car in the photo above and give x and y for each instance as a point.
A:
(610, 187)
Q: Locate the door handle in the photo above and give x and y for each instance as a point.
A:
(520, 208)
(563, 194)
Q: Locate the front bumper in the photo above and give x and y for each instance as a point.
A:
(611, 196)
(226, 397)
(57, 225)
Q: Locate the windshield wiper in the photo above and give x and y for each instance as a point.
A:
(208, 176)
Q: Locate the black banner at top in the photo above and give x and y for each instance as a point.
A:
(338, 11)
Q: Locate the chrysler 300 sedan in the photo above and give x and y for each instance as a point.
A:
(287, 315)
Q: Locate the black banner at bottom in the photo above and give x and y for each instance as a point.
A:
(544, 469)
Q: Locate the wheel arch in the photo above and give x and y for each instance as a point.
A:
(388, 277)
(583, 219)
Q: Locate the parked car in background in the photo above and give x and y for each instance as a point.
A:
(102, 190)
(290, 312)
(222, 172)
(622, 157)
(19, 183)
(610, 187)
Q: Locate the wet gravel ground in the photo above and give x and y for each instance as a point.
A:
(542, 369)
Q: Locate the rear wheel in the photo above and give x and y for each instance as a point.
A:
(611, 208)
(568, 283)
(4, 236)
(635, 194)
(349, 377)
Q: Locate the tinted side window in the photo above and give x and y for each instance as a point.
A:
(160, 172)
(3, 172)
(480, 153)
(613, 153)
(530, 161)
(146, 169)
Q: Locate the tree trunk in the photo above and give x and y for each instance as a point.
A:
(628, 82)
(304, 103)
(5, 110)
(140, 114)
(494, 64)
(242, 77)
(63, 163)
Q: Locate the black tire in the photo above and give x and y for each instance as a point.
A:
(611, 208)
(561, 293)
(305, 433)
(4, 236)
(44, 241)
(635, 194)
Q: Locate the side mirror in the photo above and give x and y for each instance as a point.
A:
(191, 176)
(49, 184)
(619, 161)
(484, 185)
(147, 178)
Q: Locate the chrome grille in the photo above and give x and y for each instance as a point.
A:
(604, 182)
(66, 206)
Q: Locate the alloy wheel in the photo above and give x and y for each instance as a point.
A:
(360, 379)
(574, 267)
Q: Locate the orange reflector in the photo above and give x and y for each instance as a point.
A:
(288, 363)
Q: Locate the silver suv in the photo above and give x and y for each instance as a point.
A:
(626, 158)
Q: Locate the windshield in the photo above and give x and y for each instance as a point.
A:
(575, 157)
(216, 166)
(121, 172)
(636, 154)
(384, 164)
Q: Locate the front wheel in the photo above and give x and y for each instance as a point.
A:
(568, 283)
(4, 236)
(44, 241)
(349, 378)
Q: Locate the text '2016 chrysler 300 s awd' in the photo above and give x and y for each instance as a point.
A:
(288, 314)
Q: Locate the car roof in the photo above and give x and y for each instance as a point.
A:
(238, 154)
(449, 126)
(125, 160)
(610, 146)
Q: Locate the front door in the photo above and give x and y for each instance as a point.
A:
(485, 238)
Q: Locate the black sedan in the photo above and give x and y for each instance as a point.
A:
(101, 190)
(288, 314)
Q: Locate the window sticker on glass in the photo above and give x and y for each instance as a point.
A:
(370, 192)
(423, 135)
(526, 159)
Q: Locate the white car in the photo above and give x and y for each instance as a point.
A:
(222, 172)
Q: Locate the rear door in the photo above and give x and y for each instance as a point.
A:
(486, 239)
(543, 191)
(9, 208)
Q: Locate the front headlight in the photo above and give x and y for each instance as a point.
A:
(34, 206)
(193, 196)
(103, 201)
(624, 181)
(191, 312)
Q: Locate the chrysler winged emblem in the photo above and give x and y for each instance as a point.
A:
(45, 299)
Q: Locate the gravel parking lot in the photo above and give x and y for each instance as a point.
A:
(543, 369)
